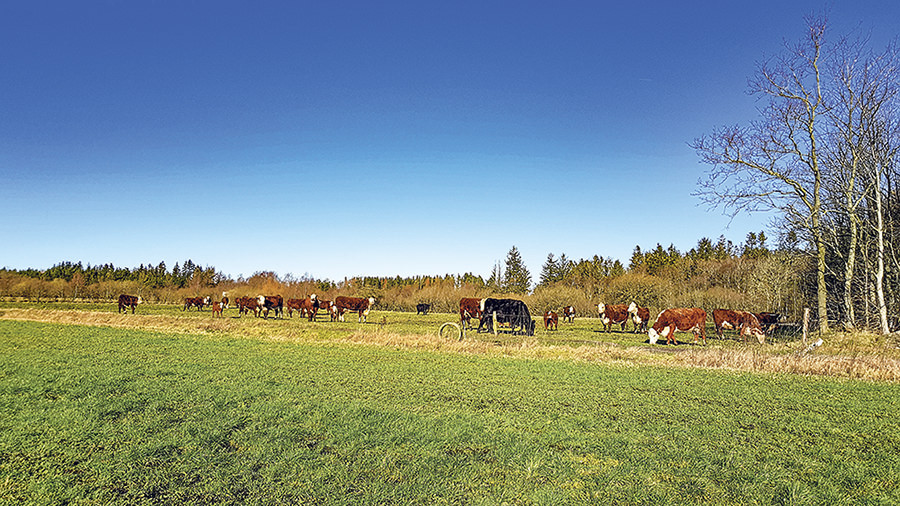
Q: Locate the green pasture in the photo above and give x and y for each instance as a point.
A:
(98, 415)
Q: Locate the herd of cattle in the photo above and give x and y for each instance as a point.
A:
(511, 313)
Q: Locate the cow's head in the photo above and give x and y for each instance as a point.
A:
(601, 308)
(206, 301)
(481, 305)
(261, 300)
(632, 308)
(369, 306)
(140, 300)
(312, 297)
(654, 335)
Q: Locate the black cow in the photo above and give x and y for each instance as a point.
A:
(510, 311)
(422, 308)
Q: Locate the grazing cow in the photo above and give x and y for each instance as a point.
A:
(217, 308)
(551, 321)
(199, 302)
(639, 316)
(569, 314)
(126, 301)
(293, 305)
(225, 300)
(611, 314)
(355, 304)
(247, 304)
(768, 321)
(469, 308)
(270, 302)
(744, 322)
(422, 308)
(509, 311)
(683, 320)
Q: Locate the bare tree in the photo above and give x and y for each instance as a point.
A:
(865, 91)
(774, 163)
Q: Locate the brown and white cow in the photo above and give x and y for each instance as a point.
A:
(744, 322)
(197, 302)
(308, 307)
(692, 319)
(640, 316)
(270, 302)
(611, 314)
(354, 304)
(469, 308)
(126, 301)
(225, 300)
(217, 308)
(568, 314)
(551, 321)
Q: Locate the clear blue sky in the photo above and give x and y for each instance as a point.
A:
(374, 138)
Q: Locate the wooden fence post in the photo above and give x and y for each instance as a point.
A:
(494, 317)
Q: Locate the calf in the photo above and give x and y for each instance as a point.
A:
(639, 316)
(768, 321)
(569, 314)
(744, 322)
(422, 308)
(611, 314)
(683, 320)
(271, 302)
(197, 302)
(126, 301)
(509, 311)
(551, 321)
(217, 308)
(469, 308)
(330, 308)
(355, 304)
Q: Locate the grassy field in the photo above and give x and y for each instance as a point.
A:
(172, 407)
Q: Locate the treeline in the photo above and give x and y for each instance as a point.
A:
(716, 273)
(750, 275)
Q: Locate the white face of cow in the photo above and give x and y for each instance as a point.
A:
(312, 297)
(261, 300)
(601, 308)
(481, 305)
(140, 300)
(369, 307)
(632, 308)
(653, 335)
(206, 301)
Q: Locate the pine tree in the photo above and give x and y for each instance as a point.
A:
(517, 279)
(549, 270)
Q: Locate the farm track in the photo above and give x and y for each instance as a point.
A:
(862, 364)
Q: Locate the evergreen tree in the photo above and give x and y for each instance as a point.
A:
(549, 270)
(517, 279)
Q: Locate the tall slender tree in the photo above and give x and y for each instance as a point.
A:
(774, 163)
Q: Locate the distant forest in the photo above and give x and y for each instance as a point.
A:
(714, 274)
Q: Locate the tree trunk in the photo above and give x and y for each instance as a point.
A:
(849, 314)
(879, 271)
